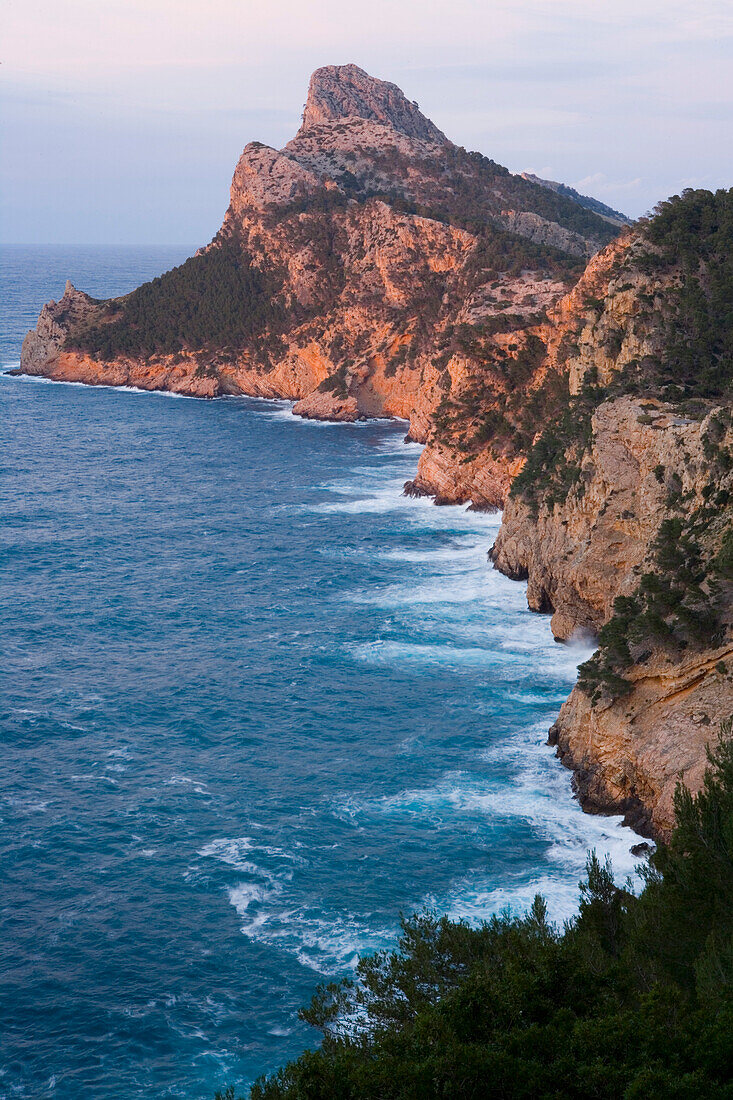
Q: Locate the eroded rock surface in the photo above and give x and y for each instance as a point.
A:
(346, 91)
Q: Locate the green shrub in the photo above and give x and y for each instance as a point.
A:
(693, 232)
(724, 557)
(217, 298)
(553, 466)
(336, 383)
(632, 998)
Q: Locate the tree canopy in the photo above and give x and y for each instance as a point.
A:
(632, 998)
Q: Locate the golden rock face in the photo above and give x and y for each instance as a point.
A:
(392, 310)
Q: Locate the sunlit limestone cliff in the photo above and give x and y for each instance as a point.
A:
(342, 266)
(551, 358)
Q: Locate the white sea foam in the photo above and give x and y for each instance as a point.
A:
(227, 849)
(449, 656)
(537, 793)
(36, 379)
(334, 942)
(475, 902)
(272, 409)
(27, 805)
(185, 781)
(400, 443)
(140, 390)
(438, 589)
(388, 498)
(272, 913)
(386, 495)
(232, 850)
(244, 895)
(478, 616)
(463, 552)
(279, 409)
(541, 782)
(467, 646)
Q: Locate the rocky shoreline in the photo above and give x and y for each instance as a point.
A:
(606, 776)
(373, 269)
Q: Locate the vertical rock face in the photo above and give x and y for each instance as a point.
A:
(42, 347)
(622, 524)
(345, 91)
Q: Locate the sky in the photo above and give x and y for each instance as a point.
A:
(122, 120)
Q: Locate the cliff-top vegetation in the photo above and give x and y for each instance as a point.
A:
(680, 595)
(217, 299)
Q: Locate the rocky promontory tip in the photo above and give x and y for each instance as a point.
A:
(338, 92)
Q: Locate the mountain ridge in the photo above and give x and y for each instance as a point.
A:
(598, 207)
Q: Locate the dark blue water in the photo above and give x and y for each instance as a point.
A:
(254, 703)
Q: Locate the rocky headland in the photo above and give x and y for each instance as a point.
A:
(555, 361)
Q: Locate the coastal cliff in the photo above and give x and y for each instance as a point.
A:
(634, 726)
(556, 362)
(621, 518)
(343, 264)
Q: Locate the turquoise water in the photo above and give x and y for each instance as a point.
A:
(254, 703)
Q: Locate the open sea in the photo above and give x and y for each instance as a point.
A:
(254, 703)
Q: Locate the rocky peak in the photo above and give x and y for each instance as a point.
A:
(346, 91)
(264, 176)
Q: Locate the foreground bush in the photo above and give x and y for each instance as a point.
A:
(632, 998)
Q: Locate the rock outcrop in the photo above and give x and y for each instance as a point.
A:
(345, 91)
(542, 231)
(263, 178)
(42, 347)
